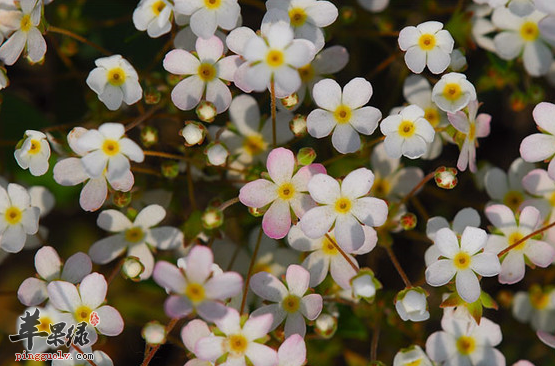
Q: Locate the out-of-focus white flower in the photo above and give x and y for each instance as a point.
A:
(27, 36)
(507, 188)
(34, 153)
(154, 16)
(453, 92)
(208, 15)
(427, 44)
(536, 307)
(458, 60)
(410, 356)
(374, 6)
(216, 153)
(115, 81)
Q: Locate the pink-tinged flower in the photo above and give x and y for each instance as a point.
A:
(292, 351)
(48, 264)
(291, 303)
(196, 285)
(546, 338)
(283, 192)
(205, 74)
(238, 342)
(465, 343)
(190, 334)
(541, 146)
(136, 237)
(81, 302)
(538, 252)
(71, 171)
(461, 261)
(346, 205)
(472, 126)
(324, 257)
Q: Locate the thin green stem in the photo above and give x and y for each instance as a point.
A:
(249, 273)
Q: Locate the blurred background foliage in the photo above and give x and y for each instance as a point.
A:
(53, 96)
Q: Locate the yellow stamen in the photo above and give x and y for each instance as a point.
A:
(275, 58)
(328, 247)
(343, 114)
(110, 147)
(26, 24)
(297, 16)
(134, 235)
(286, 191)
(195, 292)
(157, 7)
(343, 205)
(207, 72)
(431, 115)
(513, 199)
(466, 345)
(291, 303)
(212, 4)
(116, 76)
(406, 129)
(237, 344)
(427, 42)
(13, 215)
(306, 73)
(462, 260)
(82, 314)
(529, 31)
(452, 91)
(254, 145)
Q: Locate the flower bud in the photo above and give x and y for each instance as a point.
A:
(4, 81)
(212, 218)
(306, 156)
(458, 61)
(347, 14)
(446, 178)
(325, 325)
(193, 133)
(290, 101)
(121, 199)
(216, 153)
(154, 333)
(206, 111)
(152, 96)
(169, 169)
(298, 125)
(408, 221)
(257, 212)
(132, 268)
(364, 285)
(149, 136)
(413, 355)
(411, 304)
(518, 101)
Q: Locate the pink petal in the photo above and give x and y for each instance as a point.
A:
(277, 220)
(544, 116)
(48, 263)
(280, 164)
(169, 277)
(302, 177)
(258, 193)
(111, 323)
(199, 264)
(192, 332)
(311, 306)
(261, 355)
(224, 286)
(537, 147)
(297, 279)
(292, 351)
(93, 290)
(209, 348)
(257, 326)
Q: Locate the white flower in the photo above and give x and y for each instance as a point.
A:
(154, 16)
(458, 60)
(411, 305)
(482, 27)
(307, 17)
(288, 303)
(17, 217)
(108, 149)
(541, 146)
(346, 205)
(413, 355)
(115, 80)
(374, 6)
(464, 343)
(34, 153)
(426, 44)
(208, 15)
(461, 261)
(11, 19)
(453, 92)
(472, 125)
(407, 133)
(507, 187)
(536, 307)
(205, 74)
(522, 35)
(276, 56)
(26, 36)
(134, 237)
(542, 187)
(342, 112)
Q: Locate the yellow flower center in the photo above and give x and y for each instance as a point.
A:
(529, 31)
(275, 58)
(262, 267)
(35, 147)
(44, 325)
(472, 132)
(206, 72)
(343, 205)
(26, 24)
(427, 42)
(414, 363)
(513, 199)
(466, 345)
(237, 344)
(157, 7)
(306, 73)
(82, 314)
(462, 260)
(286, 191)
(134, 235)
(328, 247)
(297, 17)
(343, 114)
(116, 76)
(552, 200)
(514, 237)
(13, 215)
(381, 187)
(254, 145)
(431, 115)
(212, 4)
(539, 300)
(452, 91)
(110, 147)
(406, 129)
(291, 303)
(195, 292)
